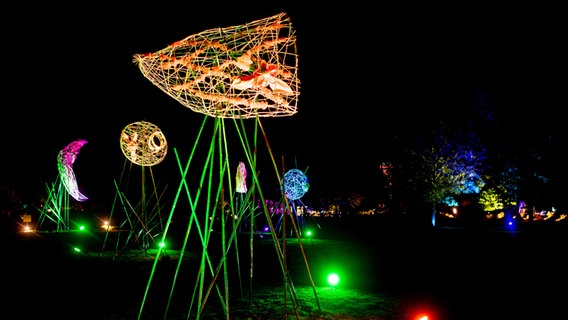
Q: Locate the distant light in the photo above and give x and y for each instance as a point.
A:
(308, 233)
(82, 228)
(333, 279)
(106, 226)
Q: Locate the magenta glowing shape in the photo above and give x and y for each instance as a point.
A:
(241, 178)
(65, 160)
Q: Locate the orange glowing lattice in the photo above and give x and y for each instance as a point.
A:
(243, 71)
(143, 143)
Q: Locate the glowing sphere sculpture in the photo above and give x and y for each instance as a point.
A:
(143, 143)
(65, 160)
(241, 178)
(244, 71)
(295, 184)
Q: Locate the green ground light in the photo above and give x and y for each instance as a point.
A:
(333, 279)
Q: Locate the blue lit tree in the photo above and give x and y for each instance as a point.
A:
(449, 167)
(457, 163)
(482, 158)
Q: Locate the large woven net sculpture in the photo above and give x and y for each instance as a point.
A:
(231, 75)
(243, 71)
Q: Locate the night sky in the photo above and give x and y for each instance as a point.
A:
(369, 75)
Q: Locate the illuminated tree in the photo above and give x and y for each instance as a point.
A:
(490, 200)
(463, 161)
(449, 167)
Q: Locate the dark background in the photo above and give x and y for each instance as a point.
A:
(370, 74)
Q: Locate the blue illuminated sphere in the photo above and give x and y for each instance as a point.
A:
(295, 184)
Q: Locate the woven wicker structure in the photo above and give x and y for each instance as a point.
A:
(65, 160)
(143, 143)
(243, 71)
(296, 184)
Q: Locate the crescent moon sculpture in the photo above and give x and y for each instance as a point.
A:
(143, 143)
(65, 160)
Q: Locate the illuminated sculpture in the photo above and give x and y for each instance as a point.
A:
(65, 160)
(295, 184)
(241, 178)
(244, 71)
(143, 143)
(56, 207)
